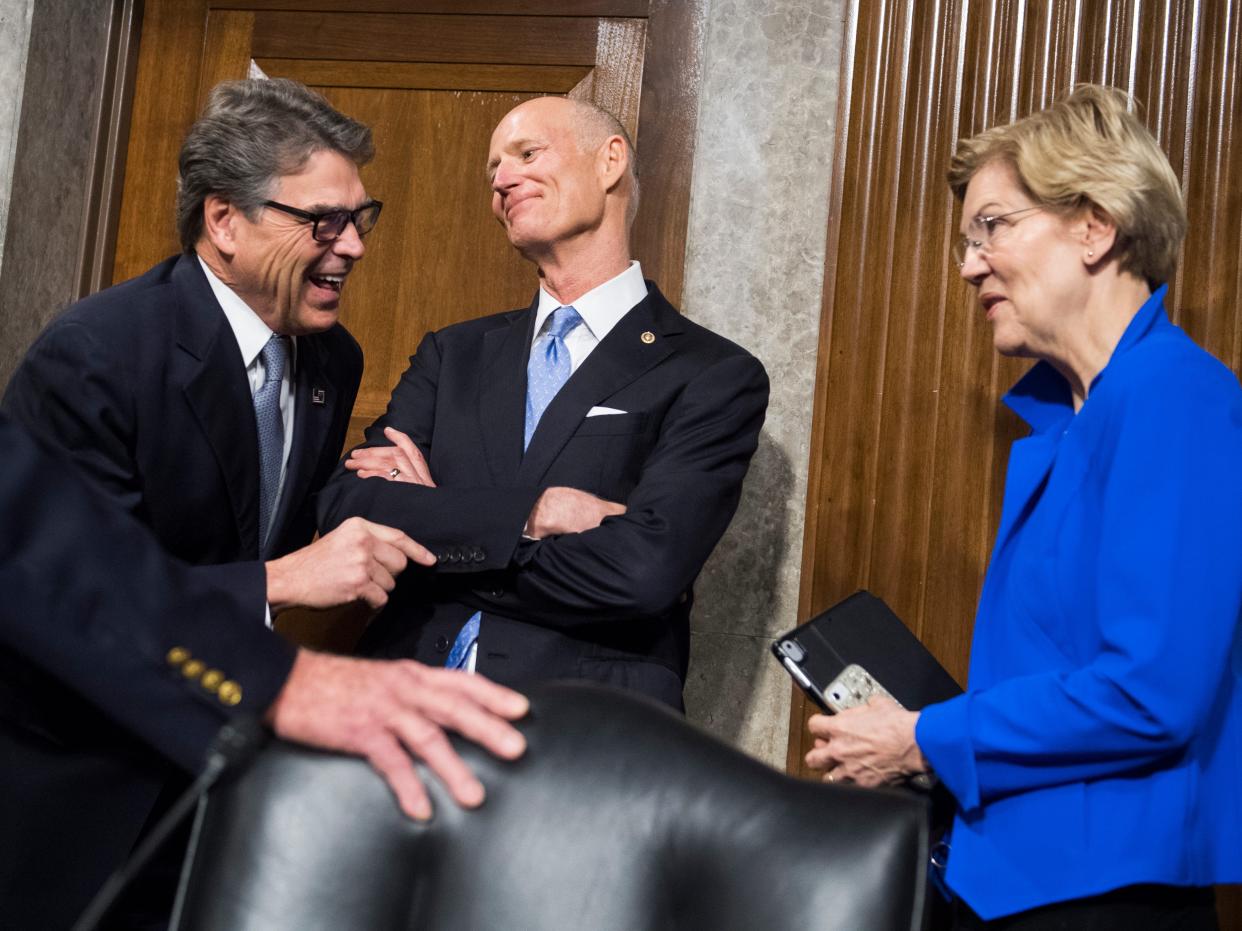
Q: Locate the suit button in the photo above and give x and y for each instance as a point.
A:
(193, 669)
(177, 655)
(212, 679)
(230, 692)
(441, 557)
(477, 555)
(441, 644)
(497, 592)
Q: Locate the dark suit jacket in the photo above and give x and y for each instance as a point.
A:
(143, 386)
(611, 604)
(91, 712)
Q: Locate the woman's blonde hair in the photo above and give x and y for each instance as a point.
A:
(1088, 150)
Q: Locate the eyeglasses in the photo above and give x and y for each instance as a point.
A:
(983, 232)
(330, 224)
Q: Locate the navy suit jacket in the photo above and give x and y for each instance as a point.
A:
(91, 711)
(143, 387)
(611, 604)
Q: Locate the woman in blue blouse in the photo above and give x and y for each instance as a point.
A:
(1096, 757)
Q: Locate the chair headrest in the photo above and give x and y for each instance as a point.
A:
(621, 815)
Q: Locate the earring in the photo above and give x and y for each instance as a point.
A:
(1090, 254)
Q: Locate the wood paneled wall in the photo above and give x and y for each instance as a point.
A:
(910, 444)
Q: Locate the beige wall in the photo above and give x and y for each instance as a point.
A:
(754, 272)
(51, 173)
(14, 41)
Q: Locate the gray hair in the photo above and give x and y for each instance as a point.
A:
(251, 133)
(593, 124)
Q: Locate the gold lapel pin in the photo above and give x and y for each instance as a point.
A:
(648, 337)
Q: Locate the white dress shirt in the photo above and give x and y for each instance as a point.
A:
(252, 335)
(601, 309)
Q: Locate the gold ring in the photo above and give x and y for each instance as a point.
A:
(832, 778)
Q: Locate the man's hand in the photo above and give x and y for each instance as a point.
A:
(872, 745)
(567, 510)
(358, 561)
(401, 462)
(386, 710)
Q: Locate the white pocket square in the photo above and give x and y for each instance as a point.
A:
(603, 411)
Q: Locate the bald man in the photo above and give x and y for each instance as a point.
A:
(572, 464)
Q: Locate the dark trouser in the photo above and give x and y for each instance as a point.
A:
(1132, 908)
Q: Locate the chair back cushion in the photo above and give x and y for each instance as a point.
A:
(620, 817)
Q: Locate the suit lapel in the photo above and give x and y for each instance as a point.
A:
(311, 422)
(215, 387)
(502, 393)
(625, 354)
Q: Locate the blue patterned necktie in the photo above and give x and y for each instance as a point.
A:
(549, 368)
(271, 429)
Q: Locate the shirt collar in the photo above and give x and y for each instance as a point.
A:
(603, 306)
(250, 331)
(1042, 396)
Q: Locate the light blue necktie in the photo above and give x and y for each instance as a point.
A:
(549, 368)
(271, 430)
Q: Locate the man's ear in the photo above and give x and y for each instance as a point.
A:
(612, 160)
(1099, 236)
(220, 220)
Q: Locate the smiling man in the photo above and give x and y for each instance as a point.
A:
(574, 463)
(210, 399)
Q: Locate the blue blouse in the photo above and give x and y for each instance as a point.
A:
(1100, 741)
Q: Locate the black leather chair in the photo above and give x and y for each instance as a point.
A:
(620, 817)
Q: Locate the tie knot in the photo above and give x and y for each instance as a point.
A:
(274, 353)
(564, 319)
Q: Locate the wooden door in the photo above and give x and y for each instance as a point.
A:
(909, 442)
(432, 79)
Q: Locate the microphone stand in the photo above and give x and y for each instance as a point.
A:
(233, 746)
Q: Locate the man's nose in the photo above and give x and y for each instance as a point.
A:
(503, 179)
(349, 243)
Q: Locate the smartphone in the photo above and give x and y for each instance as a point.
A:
(853, 687)
(830, 684)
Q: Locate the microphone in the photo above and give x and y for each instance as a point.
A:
(232, 749)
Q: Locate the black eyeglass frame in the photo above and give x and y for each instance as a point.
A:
(351, 216)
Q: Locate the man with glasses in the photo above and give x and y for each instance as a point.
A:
(210, 398)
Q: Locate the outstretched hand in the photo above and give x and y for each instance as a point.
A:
(386, 710)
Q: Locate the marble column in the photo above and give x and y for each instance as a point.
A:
(754, 272)
(14, 42)
(52, 167)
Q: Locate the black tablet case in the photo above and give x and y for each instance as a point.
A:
(862, 629)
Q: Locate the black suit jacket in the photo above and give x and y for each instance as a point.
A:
(143, 386)
(91, 711)
(611, 604)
